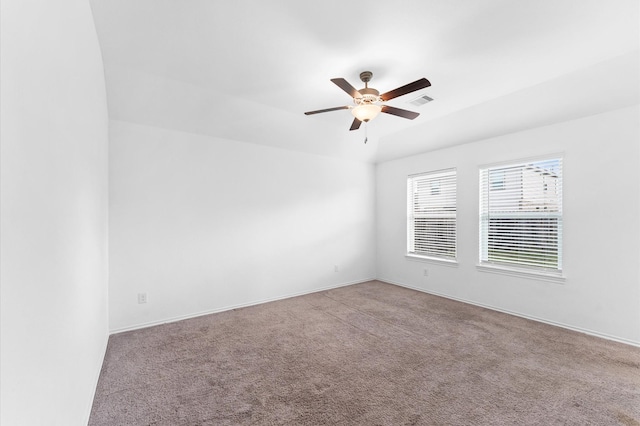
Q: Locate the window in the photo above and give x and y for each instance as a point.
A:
(431, 225)
(521, 218)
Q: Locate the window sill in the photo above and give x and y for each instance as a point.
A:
(436, 260)
(523, 273)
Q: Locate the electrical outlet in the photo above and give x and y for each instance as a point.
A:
(142, 298)
(425, 272)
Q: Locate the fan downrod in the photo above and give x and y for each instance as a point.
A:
(370, 95)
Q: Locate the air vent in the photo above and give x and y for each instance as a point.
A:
(424, 99)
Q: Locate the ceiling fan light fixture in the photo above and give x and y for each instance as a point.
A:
(369, 102)
(366, 112)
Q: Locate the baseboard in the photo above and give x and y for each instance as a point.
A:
(228, 308)
(518, 314)
(97, 377)
(385, 280)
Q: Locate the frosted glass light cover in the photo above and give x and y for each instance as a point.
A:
(366, 112)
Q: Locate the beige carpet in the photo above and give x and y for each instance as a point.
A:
(367, 354)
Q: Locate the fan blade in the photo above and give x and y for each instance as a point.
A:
(356, 124)
(326, 110)
(400, 112)
(344, 85)
(407, 88)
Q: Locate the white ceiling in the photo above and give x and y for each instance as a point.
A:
(246, 70)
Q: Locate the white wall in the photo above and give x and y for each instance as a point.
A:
(53, 212)
(202, 224)
(601, 293)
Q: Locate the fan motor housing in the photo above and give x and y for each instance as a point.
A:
(369, 96)
(369, 91)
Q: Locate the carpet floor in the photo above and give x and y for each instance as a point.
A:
(366, 354)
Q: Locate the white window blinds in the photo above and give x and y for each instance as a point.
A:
(432, 214)
(521, 215)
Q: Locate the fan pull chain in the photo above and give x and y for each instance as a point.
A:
(366, 138)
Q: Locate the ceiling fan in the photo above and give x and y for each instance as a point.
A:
(368, 102)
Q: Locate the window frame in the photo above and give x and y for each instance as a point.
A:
(514, 268)
(433, 179)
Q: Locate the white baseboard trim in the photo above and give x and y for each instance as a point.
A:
(105, 342)
(228, 308)
(518, 314)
